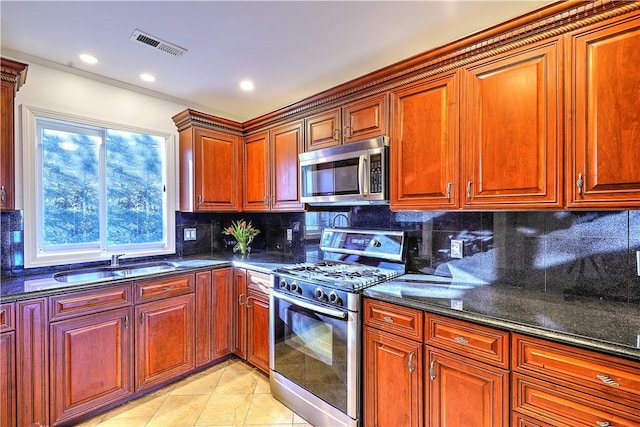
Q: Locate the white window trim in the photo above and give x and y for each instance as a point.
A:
(32, 257)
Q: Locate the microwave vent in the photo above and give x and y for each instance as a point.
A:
(156, 43)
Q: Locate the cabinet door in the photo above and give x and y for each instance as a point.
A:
(461, 392)
(286, 144)
(7, 379)
(91, 362)
(6, 147)
(204, 317)
(605, 130)
(365, 119)
(256, 173)
(424, 145)
(223, 307)
(258, 330)
(240, 313)
(512, 149)
(323, 130)
(164, 340)
(32, 362)
(392, 380)
(217, 168)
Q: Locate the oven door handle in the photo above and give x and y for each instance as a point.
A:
(316, 308)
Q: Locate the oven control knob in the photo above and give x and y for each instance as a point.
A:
(295, 288)
(334, 298)
(284, 284)
(319, 293)
(376, 243)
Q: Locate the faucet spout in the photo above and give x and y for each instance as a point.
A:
(115, 260)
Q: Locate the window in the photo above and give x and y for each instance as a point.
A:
(97, 190)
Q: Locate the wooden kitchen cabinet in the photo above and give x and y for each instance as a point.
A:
(91, 362)
(214, 299)
(271, 169)
(355, 121)
(511, 130)
(604, 127)
(165, 346)
(563, 385)
(392, 361)
(7, 366)
(210, 168)
(13, 77)
(424, 145)
(32, 362)
(251, 302)
(392, 380)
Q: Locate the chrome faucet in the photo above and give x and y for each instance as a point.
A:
(115, 260)
(340, 215)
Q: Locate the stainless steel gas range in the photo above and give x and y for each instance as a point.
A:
(315, 323)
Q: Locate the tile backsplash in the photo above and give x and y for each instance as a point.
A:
(577, 254)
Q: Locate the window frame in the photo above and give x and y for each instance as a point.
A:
(33, 255)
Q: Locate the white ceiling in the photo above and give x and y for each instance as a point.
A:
(290, 49)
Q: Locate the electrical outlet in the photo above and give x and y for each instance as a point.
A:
(456, 304)
(189, 234)
(457, 248)
(289, 235)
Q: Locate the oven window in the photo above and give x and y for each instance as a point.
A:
(311, 350)
(331, 179)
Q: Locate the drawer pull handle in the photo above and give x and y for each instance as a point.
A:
(167, 288)
(387, 319)
(93, 301)
(240, 299)
(461, 340)
(603, 423)
(607, 380)
(247, 302)
(580, 183)
(432, 370)
(411, 365)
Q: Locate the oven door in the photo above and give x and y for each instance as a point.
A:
(316, 348)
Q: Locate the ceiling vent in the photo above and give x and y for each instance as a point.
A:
(155, 43)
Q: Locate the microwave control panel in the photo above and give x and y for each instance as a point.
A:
(375, 174)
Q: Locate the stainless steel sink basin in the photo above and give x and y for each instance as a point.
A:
(116, 272)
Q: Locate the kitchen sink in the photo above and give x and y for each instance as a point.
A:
(114, 272)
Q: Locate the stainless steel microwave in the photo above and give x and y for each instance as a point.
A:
(356, 173)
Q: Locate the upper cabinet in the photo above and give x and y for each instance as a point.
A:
(424, 144)
(355, 121)
(604, 133)
(271, 169)
(210, 166)
(13, 76)
(512, 147)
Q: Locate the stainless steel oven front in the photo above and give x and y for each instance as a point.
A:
(315, 356)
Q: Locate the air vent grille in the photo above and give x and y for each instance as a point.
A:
(156, 43)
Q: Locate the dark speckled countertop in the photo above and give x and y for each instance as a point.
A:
(608, 326)
(40, 285)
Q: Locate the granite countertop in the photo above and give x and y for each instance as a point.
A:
(39, 285)
(608, 326)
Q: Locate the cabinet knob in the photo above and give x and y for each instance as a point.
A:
(468, 189)
(580, 183)
(240, 299)
(448, 191)
(3, 194)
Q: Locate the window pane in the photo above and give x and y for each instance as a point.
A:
(70, 188)
(135, 193)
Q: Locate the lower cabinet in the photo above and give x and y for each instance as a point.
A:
(214, 308)
(251, 302)
(7, 366)
(164, 340)
(91, 362)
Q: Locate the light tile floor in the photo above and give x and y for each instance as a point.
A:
(229, 394)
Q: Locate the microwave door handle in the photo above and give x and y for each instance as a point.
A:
(362, 176)
(313, 307)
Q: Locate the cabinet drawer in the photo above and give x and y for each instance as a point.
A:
(588, 371)
(90, 301)
(258, 281)
(7, 319)
(165, 287)
(477, 342)
(403, 321)
(563, 407)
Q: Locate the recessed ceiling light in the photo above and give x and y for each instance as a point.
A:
(246, 85)
(147, 77)
(89, 59)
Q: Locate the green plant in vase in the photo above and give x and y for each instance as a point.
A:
(244, 233)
